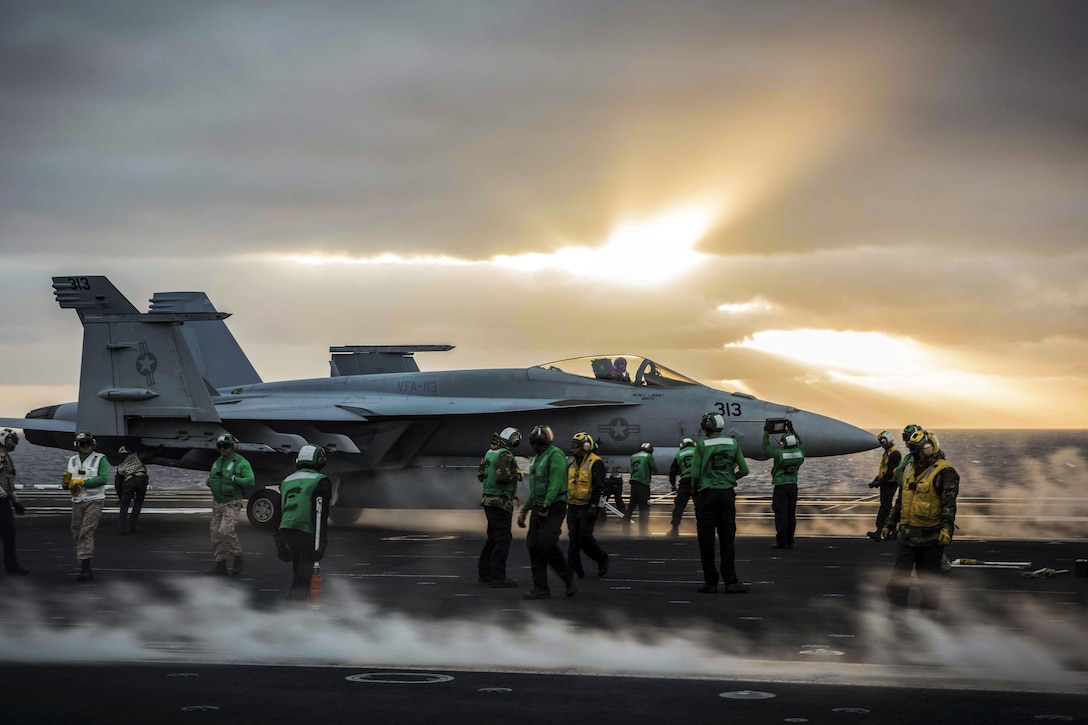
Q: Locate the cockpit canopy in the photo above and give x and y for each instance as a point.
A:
(622, 369)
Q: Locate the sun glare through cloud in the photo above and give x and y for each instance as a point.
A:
(651, 252)
(832, 350)
(895, 366)
(756, 304)
(656, 251)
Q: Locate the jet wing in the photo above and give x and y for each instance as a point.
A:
(372, 407)
(47, 425)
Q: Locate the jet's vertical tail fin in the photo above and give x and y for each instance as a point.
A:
(90, 294)
(218, 356)
(138, 373)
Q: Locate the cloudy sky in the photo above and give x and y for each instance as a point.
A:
(873, 210)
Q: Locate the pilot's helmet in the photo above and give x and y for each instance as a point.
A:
(540, 437)
(84, 438)
(510, 437)
(620, 365)
(9, 438)
(686, 443)
(225, 441)
(885, 438)
(648, 447)
(311, 456)
(909, 430)
(582, 443)
(712, 423)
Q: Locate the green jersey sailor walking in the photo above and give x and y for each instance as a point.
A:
(305, 496)
(231, 474)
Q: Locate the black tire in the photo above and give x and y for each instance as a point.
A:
(345, 515)
(263, 509)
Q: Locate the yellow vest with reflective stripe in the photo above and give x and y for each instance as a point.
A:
(921, 506)
(580, 480)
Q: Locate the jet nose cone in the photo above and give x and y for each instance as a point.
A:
(823, 436)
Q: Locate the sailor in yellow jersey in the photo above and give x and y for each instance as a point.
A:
(924, 517)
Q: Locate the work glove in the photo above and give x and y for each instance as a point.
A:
(591, 514)
(19, 508)
(945, 538)
(66, 479)
(521, 519)
(543, 512)
(886, 533)
(874, 484)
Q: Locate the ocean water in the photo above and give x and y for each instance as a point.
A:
(991, 463)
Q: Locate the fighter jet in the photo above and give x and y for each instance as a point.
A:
(396, 436)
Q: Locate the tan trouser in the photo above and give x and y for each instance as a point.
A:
(224, 537)
(85, 518)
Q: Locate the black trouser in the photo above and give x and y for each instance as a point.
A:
(613, 488)
(543, 543)
(784, 505)
(301, 546)
(7, 535)
(887, 496)
(580, 532)
(926, 560)
(640, 497)
(716, 512)
(683, 495)
(492, 562)
(132, 494)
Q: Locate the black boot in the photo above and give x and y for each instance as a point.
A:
(85, 573)
(237, 566)
(220, 569)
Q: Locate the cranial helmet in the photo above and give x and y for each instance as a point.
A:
(226, 440)
(510, 437)
(84, 437)
(647, 447)
(9, 438)
(311, 456)
(712, 423)
(923, 443)
(885, 438)
(582, 443)
(687, 443)
(540, 437)
(909, 430)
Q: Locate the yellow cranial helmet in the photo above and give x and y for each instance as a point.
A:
(924, 443)
(582, 443)
(885, 438)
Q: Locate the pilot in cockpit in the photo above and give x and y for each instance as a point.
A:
(619, 370)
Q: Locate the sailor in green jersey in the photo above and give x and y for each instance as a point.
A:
(681, 467)
(643, 467)
(498, 472)
(886, 480)
(788, 456)
(231, 474)
(715, 469)
(302, 494)
(547, 500)
(924, 516)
